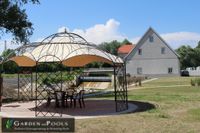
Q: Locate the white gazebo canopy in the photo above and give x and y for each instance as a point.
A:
(68, 48)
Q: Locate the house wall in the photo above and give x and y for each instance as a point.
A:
(152, 61)
(153, 66)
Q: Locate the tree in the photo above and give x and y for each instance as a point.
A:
(110, 47)
(189, 57)
(185, 56)
(8, 53)
(126, 41)
(14, 20)
(9, 66)
(198, 45)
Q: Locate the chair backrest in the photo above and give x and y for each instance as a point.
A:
(81, 93)
(59, 95)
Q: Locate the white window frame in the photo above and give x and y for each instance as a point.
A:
(139, 51)
(163, 50)
(151, 39)
(170, 70)
(139, 70)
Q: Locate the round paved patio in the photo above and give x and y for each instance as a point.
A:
(94, 108)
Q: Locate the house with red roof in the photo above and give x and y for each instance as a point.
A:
(125, 49)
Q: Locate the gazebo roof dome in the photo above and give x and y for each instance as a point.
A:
(68, 48)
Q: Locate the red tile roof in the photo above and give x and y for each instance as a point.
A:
(125, 49)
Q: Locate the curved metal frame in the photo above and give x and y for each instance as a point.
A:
(120, 88)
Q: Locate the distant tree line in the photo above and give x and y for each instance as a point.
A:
(189, 57)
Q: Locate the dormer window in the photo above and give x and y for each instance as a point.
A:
(163, 51)
(139, 51)
(151, 39)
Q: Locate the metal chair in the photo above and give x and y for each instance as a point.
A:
(80, 97)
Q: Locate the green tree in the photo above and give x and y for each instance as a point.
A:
(8, 53)
(183, 52)
(198, 45)
(125, 41)
(9, 66)
(14, 20)
(111, 47)
(189, 57)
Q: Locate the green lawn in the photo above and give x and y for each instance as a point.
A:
(168, 81)
(177, 110)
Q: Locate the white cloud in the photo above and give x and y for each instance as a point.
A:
(177, 39)
(100, 32)
(110, 31)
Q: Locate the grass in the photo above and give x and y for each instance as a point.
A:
(167, 81)
(177, 110)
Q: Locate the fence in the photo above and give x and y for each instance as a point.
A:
(194, 71)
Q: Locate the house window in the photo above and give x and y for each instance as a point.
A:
(139, 51)
(163, 51)
(170, 70)
(151, 39)
(139, 70)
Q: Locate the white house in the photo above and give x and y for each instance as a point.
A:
(152, 56)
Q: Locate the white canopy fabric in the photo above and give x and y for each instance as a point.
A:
(67, 48)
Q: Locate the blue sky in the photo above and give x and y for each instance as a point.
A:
(177, 21)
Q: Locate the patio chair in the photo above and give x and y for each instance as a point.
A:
(50, 96)
(70, 94)
(80, 97)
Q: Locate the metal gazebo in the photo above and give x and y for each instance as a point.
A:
(64, 50)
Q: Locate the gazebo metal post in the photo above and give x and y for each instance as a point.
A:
(31, 83)
(18, 83)
(120, 86)
(115, 86)
(36, 80)
(61, 74)
(126, 89)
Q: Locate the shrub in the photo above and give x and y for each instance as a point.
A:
(192, 82)
(198, 81)
(195, 82)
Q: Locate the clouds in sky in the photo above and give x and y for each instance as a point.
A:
(177, 39)
(110, 31)
(100, 32)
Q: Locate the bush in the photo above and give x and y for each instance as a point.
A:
(195, 82)
(192, 82)
(136, 80)
(198, 81)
